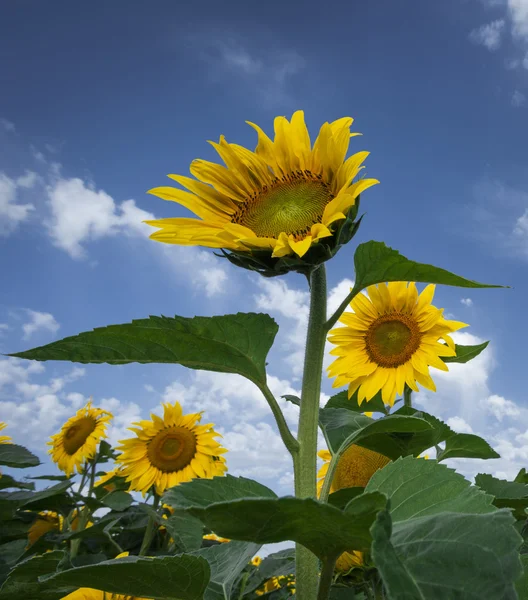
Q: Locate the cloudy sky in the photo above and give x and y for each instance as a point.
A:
(100, 101)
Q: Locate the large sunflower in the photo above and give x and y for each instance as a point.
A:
(78, 438)
(390, 340)
(283, 197)
(170, 450)
(4, 439)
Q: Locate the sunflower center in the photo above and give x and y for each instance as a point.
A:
(292, 204)
(392, 339)
(77, 434)
(172, 449)
(356, 466)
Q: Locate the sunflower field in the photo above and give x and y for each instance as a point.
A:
(375, 515)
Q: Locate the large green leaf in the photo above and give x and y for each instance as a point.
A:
(185, 530)
(12, 455)
(376, 263)
(7, 482)
(344, 427)
(521, 585)
(465, 353)
(23, 580)
(417, 487)
(322, 528)
(227, 561)
(182, 577)
(466, 445)
(451, 556)
(117, 500)
(507, 494)
(230, 344)
(203, 492)
(341, 400)
(52, 498)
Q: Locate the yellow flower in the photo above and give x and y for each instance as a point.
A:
(91, 594)
(215, 538)
(390, 340)
(4, 439)
(276, 583)
(76, 520)
(256, 561)
(170, 450)
(46, 520)
(77, 440)
(107, 477)
(349, 560)
(283, 197)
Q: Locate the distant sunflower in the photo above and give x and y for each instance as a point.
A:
(4, 439)
(77, 440)
(107, 477)
(212, 537)
(91, 594)
(283, 197)
(46, 521)
(391, 339)
(170, 450)
(349, 560)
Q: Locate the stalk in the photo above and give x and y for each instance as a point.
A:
(305, 462)
(407, 392)
(151, 528)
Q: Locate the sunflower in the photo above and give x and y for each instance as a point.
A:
(104, 479)
(391, 339)
(4, 439)
(77, 440)
(354, 469)
(170, 450)
(276, 583)
(91, 594)
(283, 197)
(212, 537)
(349, 560)
(47, 520)
(256, 561)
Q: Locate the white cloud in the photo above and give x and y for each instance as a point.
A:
(12, 213)
(80, 213)
(338, 294)
(459, 425)
(518, 99)
(125, 413)
(499, 407)
(489, 35)
(39, 321)
(466, 301)
(518, 10)
(7, 125)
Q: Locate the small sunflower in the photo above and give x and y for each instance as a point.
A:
(256, 561)
(77, 440)
(277, 583)
(91, 594)
(215, 538)
(46, 520)
(349, 560)
(4, 439)
(170, 450)
(283, 197)
(391, 339)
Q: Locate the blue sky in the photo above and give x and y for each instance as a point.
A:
(100, 101)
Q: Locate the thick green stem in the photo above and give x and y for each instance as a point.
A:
(327, 575)
(286, 435)
(151, 528)
(305, 463)
(83, 515)
(407, 396)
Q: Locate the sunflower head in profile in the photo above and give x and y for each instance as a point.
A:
(354, 469)
(91, 594)
(108, 480)
(78, 438)
(170, 450)
(46, 521)
(288, 198)
(391, 339)
(4, 439)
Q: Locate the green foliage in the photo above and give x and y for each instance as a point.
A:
(274, 565)
(230, 344)
(507, 494)
(467, 445)
(377, 263)
(341, 400)
(185, 530)
(18, 457)
(465, 353)
(183, 577)
(521, 585)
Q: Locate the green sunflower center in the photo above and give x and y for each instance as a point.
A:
(392, 340)
(356, 466)
(291, 205)
(77, 434)
(172, 449)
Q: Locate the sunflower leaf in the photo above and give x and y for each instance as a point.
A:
(12, 455)
(465, 353)
(377, 263)
(182, 577)
(466, 445)
(430, 557)
(341, 400)
(507, 494)
(227, 561)
(322, 528)
(117, 500)
(185, 530)
(229, 344)
(278, 564)
(7, 482)
(203, 492)
(521, 585)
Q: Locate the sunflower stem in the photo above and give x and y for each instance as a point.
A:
(341, 309)
(305, 462)
(327, 575)
(286, 435)
(407, 392)
(151, 528)
(84, 513)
